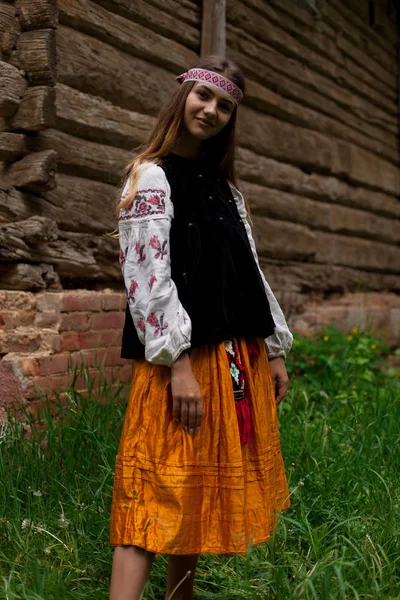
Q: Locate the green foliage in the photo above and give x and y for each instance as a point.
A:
(337, 361)
(339, 540)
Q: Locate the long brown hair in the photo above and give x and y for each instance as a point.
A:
(220, 150)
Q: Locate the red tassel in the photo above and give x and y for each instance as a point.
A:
(244, 419)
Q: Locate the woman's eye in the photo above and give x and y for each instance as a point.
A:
(201, 95)
(225, 107)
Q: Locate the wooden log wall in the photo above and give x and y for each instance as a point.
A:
(318, 133)
(319, 141)
(70, 126)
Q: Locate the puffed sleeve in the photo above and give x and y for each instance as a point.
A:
(160, 320)
(280, 342)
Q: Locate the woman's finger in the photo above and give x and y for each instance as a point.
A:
(184, 414)
(176, 409)
(192, 417)
(199, 413)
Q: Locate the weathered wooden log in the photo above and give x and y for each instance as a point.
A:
(83, 158)
(37, 14)
(265, 100)
(38, 240)
(269, 58)
(37, 110)
(320, 215)
(288, 241)
(35, 172)
(281, 240)
(355, 252)
(28, 277)
(355, 24)
(95, 119)
(314, 151)
(325, 35)
(290, 88)
(149, 85)
(306, 278)
(12, 146)
(37, 56)
(187, 10)
(9, 27)
(324, 31)
(73, 204)
(176, 20)
(380, 86)
(213, 29)
(273, 174)
(12, 88)
(124, 34)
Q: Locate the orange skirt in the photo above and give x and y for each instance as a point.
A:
(204, 494)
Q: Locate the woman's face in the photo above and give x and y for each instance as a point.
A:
(207, 111)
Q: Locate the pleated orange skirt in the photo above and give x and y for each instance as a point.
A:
(204, 494)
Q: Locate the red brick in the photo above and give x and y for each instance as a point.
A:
(57, 363)
(49, 302)
(89, 339)
(88, 358)
(81, 301)
(113, 301)
(29, 366)
(70, 341)
(111, 337)
(11, 319)
(48, 320)
(113, 357)
(75, 322)
(56, 344)
(125, 372)
(19, 341)
(108, 320)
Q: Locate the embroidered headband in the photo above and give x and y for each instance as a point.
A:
(215, 79)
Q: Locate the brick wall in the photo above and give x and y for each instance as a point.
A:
(43, 337)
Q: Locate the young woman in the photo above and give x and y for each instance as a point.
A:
(199, 468)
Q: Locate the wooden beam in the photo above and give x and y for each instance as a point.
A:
(37, 110)
(87, 159)
(95, 119)
(9, 27)
(12, 88)
(270, 173)
(79, 194)
(37, 14)
(213, 29)
(25, 276)
(12, 146)
(127, 35)
(35, 172)
(37, 55)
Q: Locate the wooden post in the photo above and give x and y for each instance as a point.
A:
(213, 29)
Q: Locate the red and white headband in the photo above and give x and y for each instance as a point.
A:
(215, 79)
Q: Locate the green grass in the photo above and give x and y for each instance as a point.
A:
(340, 539)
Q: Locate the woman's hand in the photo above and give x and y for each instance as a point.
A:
(186, 395)
(280, 378)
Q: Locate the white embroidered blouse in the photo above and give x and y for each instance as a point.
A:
(161, 322)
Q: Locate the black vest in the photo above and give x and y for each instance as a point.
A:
(212, 264)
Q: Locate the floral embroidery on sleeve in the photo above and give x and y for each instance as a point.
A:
(132, 289)
(145, 203)
(158, 324)
(139, 249)
(122, 256)
(160, 248)
(141, 325)
(152, 281)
